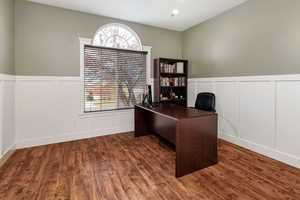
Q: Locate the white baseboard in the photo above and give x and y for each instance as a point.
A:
(67, 138)
(277, 155)
(7, 154)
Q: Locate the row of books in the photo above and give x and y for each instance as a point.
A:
(180, 81)
(176, 68)
(170, 99)
(171, 96)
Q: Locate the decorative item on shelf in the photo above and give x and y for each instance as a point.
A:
(180, 67)
(172, 94)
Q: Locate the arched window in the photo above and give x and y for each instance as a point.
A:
(117, 36)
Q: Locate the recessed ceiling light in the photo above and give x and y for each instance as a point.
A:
(174, 12)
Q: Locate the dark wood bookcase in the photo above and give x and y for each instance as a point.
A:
(170, 81)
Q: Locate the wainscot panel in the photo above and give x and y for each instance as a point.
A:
(257, 112)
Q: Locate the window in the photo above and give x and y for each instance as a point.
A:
(117, 36)
(114, 70)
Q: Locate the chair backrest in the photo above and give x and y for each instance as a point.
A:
(206, 101)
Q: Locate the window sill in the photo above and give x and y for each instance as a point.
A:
(105, 113)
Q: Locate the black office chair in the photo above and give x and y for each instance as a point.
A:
(206, 101)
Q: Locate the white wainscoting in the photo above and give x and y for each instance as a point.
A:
(48, 111)
(7, 131)
(260, 113)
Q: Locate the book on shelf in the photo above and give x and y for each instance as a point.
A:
(167, 68)
(176, 82)
(171, 97)
(176, 68)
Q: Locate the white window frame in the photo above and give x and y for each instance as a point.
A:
(89, 41)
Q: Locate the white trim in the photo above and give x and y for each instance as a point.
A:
(1, 120)
(149, 80)
(10, 148)
(7, 154)
(275, 83)
(67, 137)
(82, 41)
(106, 113)
(7, 77)
(47, 78)
(148, 64)
(295, 77)
(272, 153)
(287, 77)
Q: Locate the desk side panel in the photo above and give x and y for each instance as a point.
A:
(196, 144)
(140, 122)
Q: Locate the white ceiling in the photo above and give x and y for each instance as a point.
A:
(151, 12)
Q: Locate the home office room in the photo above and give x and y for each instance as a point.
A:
(134, 100)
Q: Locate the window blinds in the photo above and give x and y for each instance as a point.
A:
(113, 78)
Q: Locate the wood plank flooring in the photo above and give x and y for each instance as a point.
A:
(121, 167)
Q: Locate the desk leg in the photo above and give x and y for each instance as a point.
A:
(196, 144)
(140, 122)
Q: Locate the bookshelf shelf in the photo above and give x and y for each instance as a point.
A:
(172, 86)
(173, 100)
(170, 81)
(172, 74)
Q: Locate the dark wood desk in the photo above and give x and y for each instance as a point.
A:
(193, 132)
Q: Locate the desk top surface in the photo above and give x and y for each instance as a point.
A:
(176, 112)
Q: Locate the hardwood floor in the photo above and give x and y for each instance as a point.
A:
(123, 167)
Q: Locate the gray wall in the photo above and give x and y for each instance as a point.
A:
(7, 36)
(47, 39)
(260, 37)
